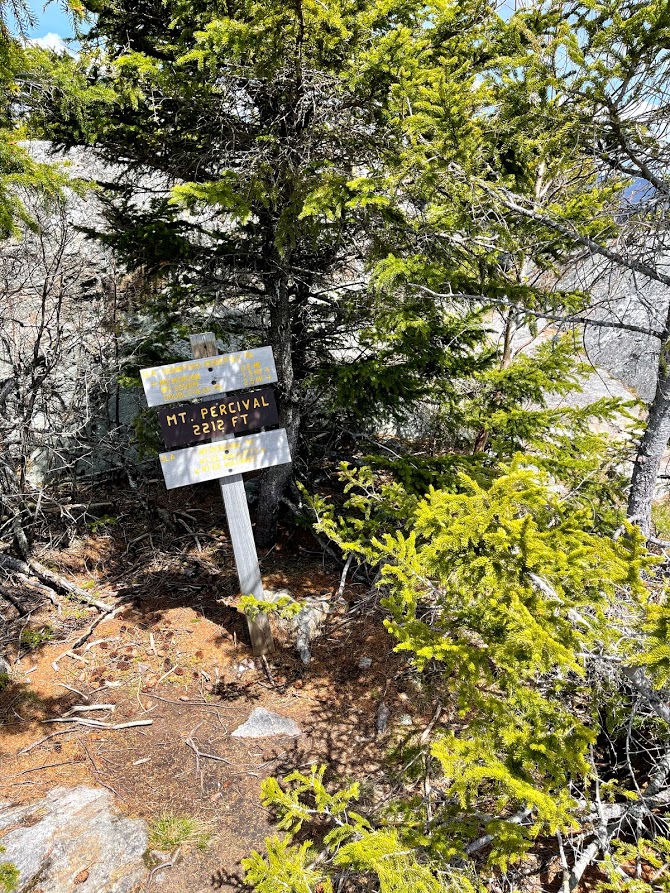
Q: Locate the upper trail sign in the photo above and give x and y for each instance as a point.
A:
(208, 376)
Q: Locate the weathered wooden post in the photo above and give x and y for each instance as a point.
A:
(226, 456)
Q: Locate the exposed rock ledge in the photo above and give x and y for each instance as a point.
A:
(74, 840)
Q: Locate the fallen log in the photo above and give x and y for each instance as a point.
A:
(47, 591)
(96, 724)
(34, 568)
(14, 602)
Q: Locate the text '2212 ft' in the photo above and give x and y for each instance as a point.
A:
(196, 423)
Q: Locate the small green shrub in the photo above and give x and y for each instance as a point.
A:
(34, 638)
(650, 855)
(169, 831)
(102, 523)
(284, 606)
(350, 845)
(9, 876)
(74, 610)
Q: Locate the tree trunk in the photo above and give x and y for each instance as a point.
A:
(274, 480)
(652, 447)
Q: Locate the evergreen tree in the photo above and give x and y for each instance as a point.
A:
(473, 111)
(531, 629)
(505, 133)
(18, 172)
(578, 111)
(264, 129)
(614, 98)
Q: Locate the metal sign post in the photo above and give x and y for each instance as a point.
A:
(239, 524)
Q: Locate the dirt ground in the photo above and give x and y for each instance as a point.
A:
(175, 656)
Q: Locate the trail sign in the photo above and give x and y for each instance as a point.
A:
(209, 461)
(195, 423)
(211, 376)
(208, 376)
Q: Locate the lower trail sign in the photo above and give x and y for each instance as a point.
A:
(225, 458)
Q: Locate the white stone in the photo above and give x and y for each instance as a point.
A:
(265, 724)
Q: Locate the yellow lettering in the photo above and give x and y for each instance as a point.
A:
(231, 406)
(196, 430)
(182, 416)
(244, 418)
(257, 404)
(265, 402)
(171, 420)
(212, 411)
(245, 404)
(203, 412)
(234, 421)
(220, 425)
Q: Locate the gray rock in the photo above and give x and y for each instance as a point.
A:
(305, 626)
(365, 663)
(74, 833)
(382, 718)
(264, 724)
(245, 666)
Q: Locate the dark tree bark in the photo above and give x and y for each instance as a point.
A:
(275, 480)
(652, 447)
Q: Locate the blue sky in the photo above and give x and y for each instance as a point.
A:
(53, 20)
(50, 20)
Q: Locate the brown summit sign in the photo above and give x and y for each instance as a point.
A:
(196, 423)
